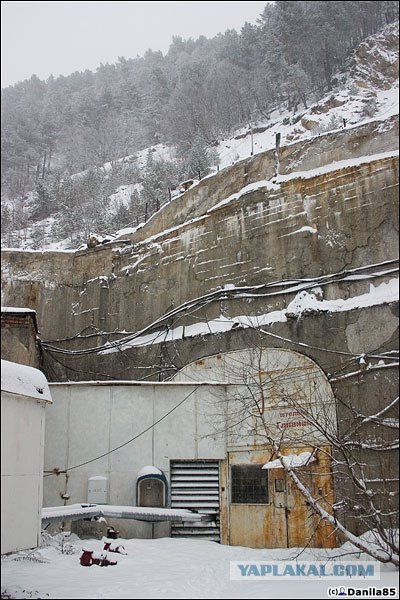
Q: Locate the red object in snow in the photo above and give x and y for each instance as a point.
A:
(105, 562)
(113, 548)
(96, 560)
(86, 559)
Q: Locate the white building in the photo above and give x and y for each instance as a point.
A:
(187, 432)
(24, 395)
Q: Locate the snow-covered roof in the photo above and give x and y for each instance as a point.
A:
(13, 309)
(24, 381)
(291, 460)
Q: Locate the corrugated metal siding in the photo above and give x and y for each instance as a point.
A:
(195, 485)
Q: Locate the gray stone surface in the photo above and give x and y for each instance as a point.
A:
(87, 530)
(306, 228)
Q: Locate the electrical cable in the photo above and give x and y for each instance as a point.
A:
(244, 292)
(49, 474)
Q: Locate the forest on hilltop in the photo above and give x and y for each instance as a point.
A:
(200, 91)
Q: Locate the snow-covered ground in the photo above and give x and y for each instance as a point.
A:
(167, 568)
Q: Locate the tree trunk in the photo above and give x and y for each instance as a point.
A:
(49, 161)
(44, 165)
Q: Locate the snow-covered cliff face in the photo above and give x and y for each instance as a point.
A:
(332, 207)
(366, 89)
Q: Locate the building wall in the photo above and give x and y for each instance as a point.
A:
(22, 446)
(18, 338)
(289, 381)
(88, 420)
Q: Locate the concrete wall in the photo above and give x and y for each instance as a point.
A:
(87, 420)
(307, 227)
(22, 446)
(287, 379)
(19, 338)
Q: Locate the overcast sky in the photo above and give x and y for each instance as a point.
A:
(58, 38)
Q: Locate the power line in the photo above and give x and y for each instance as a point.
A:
(129, 441)
(244, 292)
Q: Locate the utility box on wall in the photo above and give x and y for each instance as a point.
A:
(97, 490)
(151, 488)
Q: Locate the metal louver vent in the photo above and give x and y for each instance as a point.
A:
(195, 486)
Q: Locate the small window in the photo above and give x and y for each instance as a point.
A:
(249, 484)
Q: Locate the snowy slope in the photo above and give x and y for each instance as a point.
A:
(368, 91)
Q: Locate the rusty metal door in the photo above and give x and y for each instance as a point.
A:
(284, 518)
(300, 519)
(259, 522)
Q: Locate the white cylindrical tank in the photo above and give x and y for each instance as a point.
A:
(97, 490)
